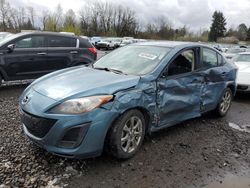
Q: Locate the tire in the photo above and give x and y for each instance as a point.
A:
(1, 80)
(122, 130)
(225, 103)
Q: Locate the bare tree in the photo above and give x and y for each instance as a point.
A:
(4, 10)
(58, 17)
(14, 19)
(70, 19)
(31, 14)
(44, 19)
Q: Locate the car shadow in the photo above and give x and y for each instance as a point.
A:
(242, 97)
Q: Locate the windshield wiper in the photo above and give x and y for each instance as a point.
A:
(109, 70)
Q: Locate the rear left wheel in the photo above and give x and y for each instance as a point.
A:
(126, 136)
(225, 103)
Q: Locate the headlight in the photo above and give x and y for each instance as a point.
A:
(81, 105)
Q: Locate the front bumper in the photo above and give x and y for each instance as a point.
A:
(243, 88)
(86, 139)
(102, 45)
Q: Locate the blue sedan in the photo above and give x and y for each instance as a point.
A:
(135, 90)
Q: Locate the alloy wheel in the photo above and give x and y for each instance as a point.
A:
(226, 102)
(131, 134)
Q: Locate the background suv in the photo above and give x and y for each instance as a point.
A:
(31, 55)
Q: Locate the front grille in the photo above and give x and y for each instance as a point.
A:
(37, 126)
(242, 87)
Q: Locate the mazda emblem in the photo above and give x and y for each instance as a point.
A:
(25, 100)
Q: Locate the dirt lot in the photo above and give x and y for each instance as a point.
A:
(191, 154)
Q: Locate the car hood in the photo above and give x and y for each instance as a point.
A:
(83, 81)
(243, 73)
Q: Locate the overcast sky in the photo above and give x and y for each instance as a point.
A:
(195, 14)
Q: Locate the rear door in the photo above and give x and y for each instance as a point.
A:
(62, 51)
(215, 76)
(28, 59)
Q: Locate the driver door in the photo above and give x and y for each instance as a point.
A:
(179, 89)
(28, 59)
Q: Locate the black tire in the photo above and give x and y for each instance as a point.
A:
(227, 101)
(115, 134)
(1, 79)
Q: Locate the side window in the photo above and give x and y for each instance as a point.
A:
(55, 41)
(209, 58)
(220, 60)
(31, 42)
(183, 63)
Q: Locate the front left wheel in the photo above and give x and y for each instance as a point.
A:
(126, 135)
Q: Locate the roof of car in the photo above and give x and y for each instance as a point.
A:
(170, 44)
(45, 33)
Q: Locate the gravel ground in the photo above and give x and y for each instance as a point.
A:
(191, 154)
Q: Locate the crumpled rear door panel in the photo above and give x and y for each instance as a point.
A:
(215, 82)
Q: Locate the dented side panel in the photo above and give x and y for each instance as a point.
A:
(169, 101)
(216, 80)
(178, 98)
(143, 96)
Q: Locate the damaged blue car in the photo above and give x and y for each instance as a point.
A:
(133, 91)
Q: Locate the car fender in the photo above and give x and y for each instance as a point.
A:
(137, 98)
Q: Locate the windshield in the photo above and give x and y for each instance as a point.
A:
(135, 60)
(242, 58)
(236, 50)
(7, 39)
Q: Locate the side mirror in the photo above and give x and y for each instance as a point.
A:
(164, 74)
(11, 47)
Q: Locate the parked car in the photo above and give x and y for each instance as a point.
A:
(130, 92)
(231, 52)
(126, 42)
(117, 42)
(242, 61)
(95, 40)
(105, 43)
(31, 55)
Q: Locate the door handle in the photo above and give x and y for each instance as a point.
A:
(223, 74)
(74, 52)
(41, 53)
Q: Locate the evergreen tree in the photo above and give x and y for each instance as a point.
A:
(218, 27)
(248, 34)
(242, 32)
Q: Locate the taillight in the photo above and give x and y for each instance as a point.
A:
(92, 50)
